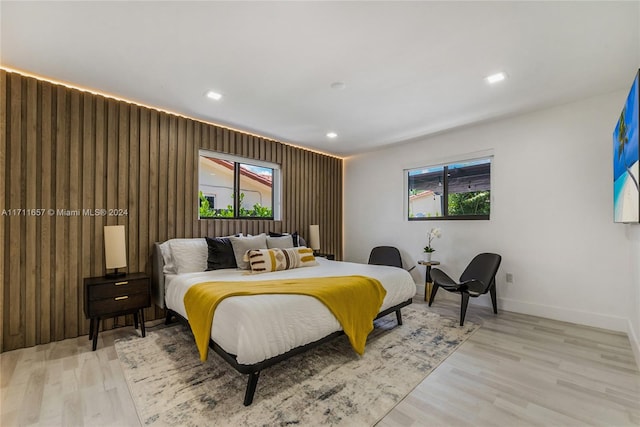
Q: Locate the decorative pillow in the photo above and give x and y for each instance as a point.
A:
(297, 239)
(165, 250)
(188, 255)
(266, 260)
(220, 253)
(243, 244)
(279, 242)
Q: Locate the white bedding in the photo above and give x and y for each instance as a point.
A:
(256, 328)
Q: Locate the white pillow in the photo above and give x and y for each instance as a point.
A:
(165, 250)
(188, 255)
(243, 244)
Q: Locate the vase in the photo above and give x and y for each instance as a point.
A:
(427, 256)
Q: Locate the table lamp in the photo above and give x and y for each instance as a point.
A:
(314, 238)
(115, 249)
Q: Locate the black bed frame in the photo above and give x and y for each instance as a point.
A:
(254, 370)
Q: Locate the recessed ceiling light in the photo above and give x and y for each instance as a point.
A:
(214, 95)
(332, 135)
(495, 78)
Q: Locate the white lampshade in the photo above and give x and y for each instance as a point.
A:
(314, 237)
(115, 247)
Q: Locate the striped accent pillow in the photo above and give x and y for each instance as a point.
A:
(276, 259)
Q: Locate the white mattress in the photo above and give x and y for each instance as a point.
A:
(256, 328)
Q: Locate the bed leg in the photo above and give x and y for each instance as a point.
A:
(399, 317)
(168, 317)
(251, 388)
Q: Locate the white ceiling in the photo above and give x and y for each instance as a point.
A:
(410, 68)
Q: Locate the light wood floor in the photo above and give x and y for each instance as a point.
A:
(516, 370)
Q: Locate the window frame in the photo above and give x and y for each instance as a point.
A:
(445, 191)
(276, 185)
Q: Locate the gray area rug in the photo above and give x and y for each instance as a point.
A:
(328, 385)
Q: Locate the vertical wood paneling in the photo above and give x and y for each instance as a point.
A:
(181, 181)
(4, 141)
(163, 177)
(133, 198)
(154, 157)
(206, 136)
(190, 214)
(68, 150)
(154, 190)
(3, 189)
(243, 148)
(216, 138)
(123, 165)
(46, 221)
(31, 170)
(71, 302)
(112, 174)
(88, 195)
(14, 149)
(171, 177)
(3, 174)
(226, 141)
(261, 146)
(101, 180)
(286, 188)
(61, 238)
(144, 186)
(122, 197)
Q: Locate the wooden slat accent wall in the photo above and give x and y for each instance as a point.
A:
(65, 149)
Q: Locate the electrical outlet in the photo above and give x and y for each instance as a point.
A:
(509, 277)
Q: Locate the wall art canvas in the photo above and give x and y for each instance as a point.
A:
(626, 190)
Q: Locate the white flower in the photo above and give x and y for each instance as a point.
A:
(433, 234)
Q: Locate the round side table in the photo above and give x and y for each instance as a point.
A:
(428, 284)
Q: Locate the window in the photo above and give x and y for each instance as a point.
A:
(453, 191)
(211, 200)
(235, 187)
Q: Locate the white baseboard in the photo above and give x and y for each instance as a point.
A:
(634, 340)
(596, 320)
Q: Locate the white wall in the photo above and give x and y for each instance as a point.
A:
(633, 236)
(551, 213)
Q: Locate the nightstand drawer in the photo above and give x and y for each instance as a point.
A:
(118, 304)
(110, 296)
(118, 288)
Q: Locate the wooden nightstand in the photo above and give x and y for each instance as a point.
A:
(116, 296)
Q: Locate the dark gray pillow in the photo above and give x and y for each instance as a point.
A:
(221, 254)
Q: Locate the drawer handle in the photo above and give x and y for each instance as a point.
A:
(121, 283)
(121, 298)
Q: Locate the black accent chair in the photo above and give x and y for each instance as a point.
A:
(385, 255)
(477, 279)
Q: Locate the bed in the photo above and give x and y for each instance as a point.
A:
(252, 333)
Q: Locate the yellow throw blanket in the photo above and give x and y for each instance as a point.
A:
(354, 300)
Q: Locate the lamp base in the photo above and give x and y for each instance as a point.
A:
(115, 273)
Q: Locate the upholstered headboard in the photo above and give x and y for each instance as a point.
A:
(157, 275)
